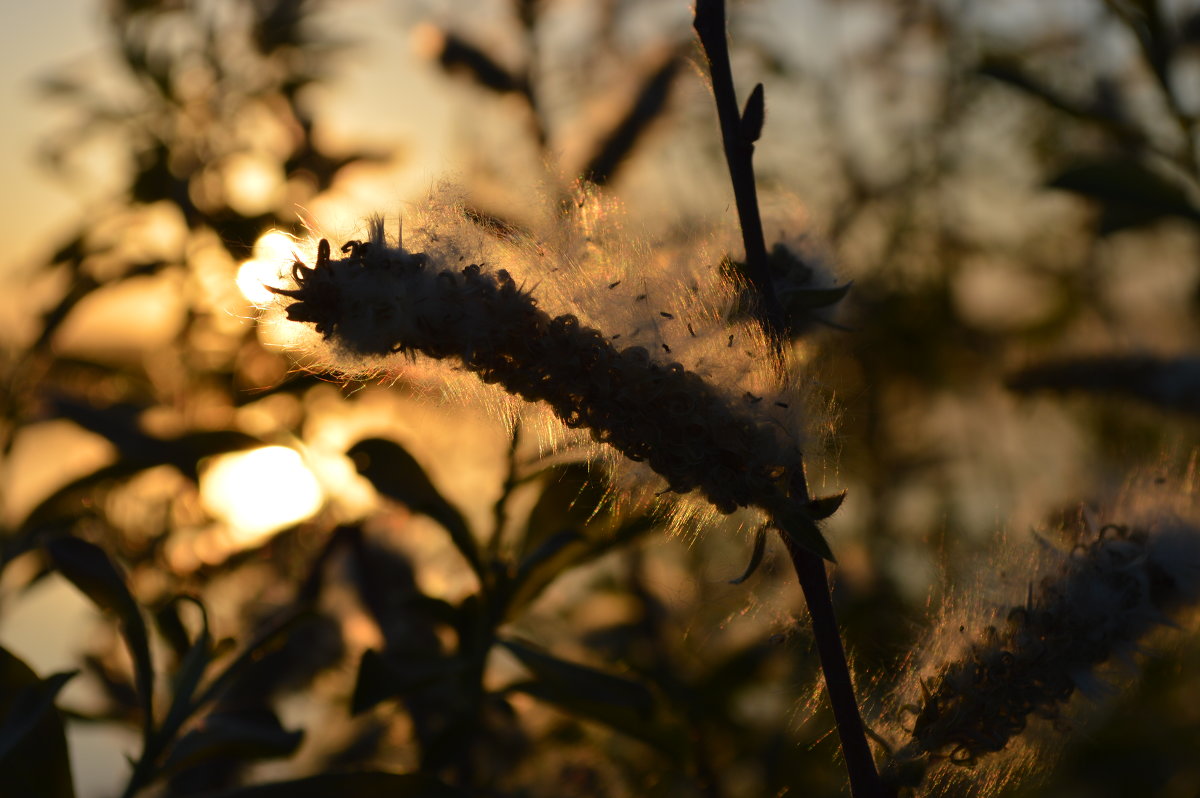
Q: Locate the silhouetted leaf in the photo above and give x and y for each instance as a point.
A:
(191, 670)
(33, 747)
(81, 287)
(736, 671)
(548, 550)
(1168, 383)
(381, 677)
(1012, 74)
(582, 680)
(119, 423)
(116, 687)
(795, 522)
(170, 627)
(89, 568)
(824, 506)
(387, 586)
(245, 735)
(573, 495)
(270, 636)
(795, 281)
(557, 555)
(800, 299)
(753, 116)
(459, 55)
(1131, 193)
(155, 181)
(646, 107)
(61, 509)
(614, 701)
(760, 547)
(350, 785)
(397, 475)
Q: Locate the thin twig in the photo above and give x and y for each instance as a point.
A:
(860, 764)
(739, 153)
(738, 136)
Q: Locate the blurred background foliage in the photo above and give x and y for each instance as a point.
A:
(327, 584)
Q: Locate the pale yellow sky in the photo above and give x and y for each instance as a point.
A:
(371, 101)
(35, 38)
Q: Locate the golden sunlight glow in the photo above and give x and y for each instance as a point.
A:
(259, 492)
(254, 184)
(273, 254)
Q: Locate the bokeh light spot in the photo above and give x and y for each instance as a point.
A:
(273, 253)
(259, 492)
(253, 183)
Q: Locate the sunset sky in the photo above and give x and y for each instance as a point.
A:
(40, 39)
(37, 37)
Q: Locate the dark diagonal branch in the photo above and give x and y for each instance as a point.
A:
(739, 131)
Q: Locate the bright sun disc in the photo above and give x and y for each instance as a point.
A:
(260, 492)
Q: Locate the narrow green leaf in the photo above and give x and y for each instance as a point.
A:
(89, 568)
(33, 747)
(760, 547)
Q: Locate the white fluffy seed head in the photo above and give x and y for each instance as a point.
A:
(995, 679)
(669, 298)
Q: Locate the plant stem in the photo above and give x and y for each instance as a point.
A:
(860, 765)
(810, 569)
(739, 154)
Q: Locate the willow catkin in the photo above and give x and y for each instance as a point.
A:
(378, 300)
(1092, 606)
